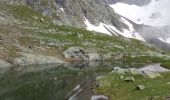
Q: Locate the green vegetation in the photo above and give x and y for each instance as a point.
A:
(25, 15)
(113, 86)
(166, 64)
(74, 36)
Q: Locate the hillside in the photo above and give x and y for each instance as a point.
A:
(26, 34)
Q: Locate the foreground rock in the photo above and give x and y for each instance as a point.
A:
(33, 59)
(140, 87)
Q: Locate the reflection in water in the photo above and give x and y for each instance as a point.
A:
(51, 82)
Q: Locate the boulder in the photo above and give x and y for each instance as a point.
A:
(140, 87)
(42, 19)
(77, 53)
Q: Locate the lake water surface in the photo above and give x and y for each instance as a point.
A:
(54, 82)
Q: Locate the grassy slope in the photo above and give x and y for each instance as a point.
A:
(114, 87)
(39, 33)
(70, 34)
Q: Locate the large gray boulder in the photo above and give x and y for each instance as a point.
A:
(75, 53)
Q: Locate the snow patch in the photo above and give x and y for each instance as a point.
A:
(155, 13)
(61, 9)
(131, 33)
(99, 28)
(165, 40)
(110, 30)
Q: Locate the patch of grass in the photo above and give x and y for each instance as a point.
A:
(27, 14)
(166, 64)
(111, 85)
(102, 41)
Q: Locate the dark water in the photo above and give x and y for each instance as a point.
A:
(52, 82)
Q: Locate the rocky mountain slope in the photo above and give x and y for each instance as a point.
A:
(31, 33)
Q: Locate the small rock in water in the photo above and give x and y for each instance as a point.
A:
(140, 87)
(129, 79)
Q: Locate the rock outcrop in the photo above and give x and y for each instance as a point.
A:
(78, 53)
(33, 59)
(75, 53)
